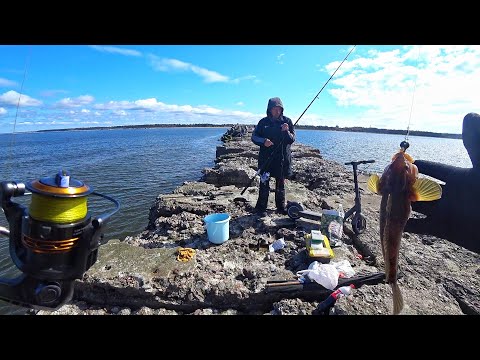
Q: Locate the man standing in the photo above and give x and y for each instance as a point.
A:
(274, 134)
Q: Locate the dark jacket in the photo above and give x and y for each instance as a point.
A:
(280, 163)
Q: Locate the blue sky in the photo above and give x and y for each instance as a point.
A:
(429, 87)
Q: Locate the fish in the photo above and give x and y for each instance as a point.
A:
(398, 185)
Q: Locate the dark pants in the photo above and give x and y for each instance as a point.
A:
(264, 191)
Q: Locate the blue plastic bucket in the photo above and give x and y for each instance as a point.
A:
(218, 227)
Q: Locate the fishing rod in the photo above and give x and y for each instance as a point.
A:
(280, 145)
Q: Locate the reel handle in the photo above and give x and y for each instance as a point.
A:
(9, 189)
(4, 231)
(103, 219)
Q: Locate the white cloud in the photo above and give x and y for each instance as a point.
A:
(148, 103)
(7, 83)
(11, 98)
(51, 93)
(142, 111)
(248, 77)
(2, 111)
(152, 105)
(86, 111)
(208, 76)
(116, 50)
(280, 58)
(115, 105)
(152, 110)
(205, 109)
(76, 102)
(240, 103)
(120, 112)
(168, 65)
(437, 84)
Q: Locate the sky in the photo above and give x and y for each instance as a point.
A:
(404, 87)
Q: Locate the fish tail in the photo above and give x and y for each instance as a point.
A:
(397, 299)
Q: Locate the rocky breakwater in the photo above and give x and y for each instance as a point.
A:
(143, 274)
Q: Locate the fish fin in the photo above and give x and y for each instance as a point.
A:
(397, 299)
(426, 190)
(373, 182)
(414, 171)
(409, 158)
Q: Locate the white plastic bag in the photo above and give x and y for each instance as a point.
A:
(344, 267)
(323, 274)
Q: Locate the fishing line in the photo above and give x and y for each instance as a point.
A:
(413, 97)
(58, 210)
(12, 142)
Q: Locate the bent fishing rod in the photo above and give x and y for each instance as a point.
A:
(280, 145)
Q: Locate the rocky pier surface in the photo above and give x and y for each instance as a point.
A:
(145, 275)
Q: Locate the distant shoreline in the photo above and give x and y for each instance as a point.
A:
(300, 127)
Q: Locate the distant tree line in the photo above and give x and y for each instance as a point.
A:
(303, 127)
(144, 126)
(381, 131)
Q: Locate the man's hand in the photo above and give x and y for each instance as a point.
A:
(268, 143)
(285, 127)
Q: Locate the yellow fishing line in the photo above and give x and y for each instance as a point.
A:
(58, 210)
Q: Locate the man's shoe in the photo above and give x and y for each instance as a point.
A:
(259, 212)
(281, 211)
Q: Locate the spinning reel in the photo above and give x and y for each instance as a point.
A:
(53, 242)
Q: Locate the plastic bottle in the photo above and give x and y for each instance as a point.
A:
(332, 298)
(341, 213)
(276, 245)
